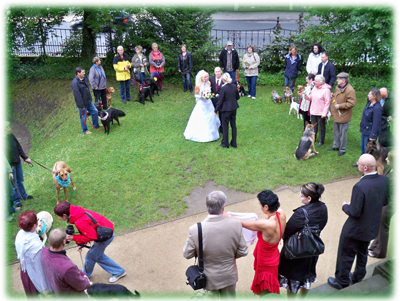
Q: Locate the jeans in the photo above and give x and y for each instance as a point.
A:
(19, 182)
(96, 254)
(292, 82)
(187, 82)
(93, 113)
(124, 87)
(232, 74)
(142, 77)
(363, 144)
(251, 84)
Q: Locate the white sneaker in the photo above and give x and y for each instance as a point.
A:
(115, 278)
(253, 97)
(249, 96)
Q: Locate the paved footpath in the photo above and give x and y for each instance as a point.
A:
(153, 257)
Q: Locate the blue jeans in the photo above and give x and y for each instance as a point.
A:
(292, 82)
(251, 84)
(363, 144)
(19, 182)
(96, 254)
(93, 113)
(187, 82)
(232, 74)
(142, 77)
(124, 87)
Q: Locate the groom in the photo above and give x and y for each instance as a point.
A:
(216, 84)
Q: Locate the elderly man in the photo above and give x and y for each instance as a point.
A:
(63, 274)
(320, 100)
(385, 137)
(369, 195)
(342, 110)
(327, 70)
(223, 242)
(229, 60)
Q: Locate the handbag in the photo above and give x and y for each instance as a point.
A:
(195, 273)
(305, 243)
(103, 233)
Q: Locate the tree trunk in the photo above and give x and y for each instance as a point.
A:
(88, 37)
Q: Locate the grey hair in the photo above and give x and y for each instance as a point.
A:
(56, 237)
(120, 47)
(96, 59)
(215, 202)
(226, 78)
(346, 79)
(320, 78)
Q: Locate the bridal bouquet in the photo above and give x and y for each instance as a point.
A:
(206, 94)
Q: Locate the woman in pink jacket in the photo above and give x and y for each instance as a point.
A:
(320, 101)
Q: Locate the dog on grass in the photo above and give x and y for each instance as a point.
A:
(159, 80)
(288, 94)
(62, 178)
(103, 290)
(240, 89)
(108, 117)
(295, 106)
(45, 222)
(275, 97)
(300, 90)
(379, 152)
(109, 96)
(144, 92)
(153, 84)
(303, 151)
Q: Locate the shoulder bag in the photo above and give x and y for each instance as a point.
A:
(195, 273)
(305, 243)
(103, 233)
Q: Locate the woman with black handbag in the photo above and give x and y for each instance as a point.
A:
(298, 274)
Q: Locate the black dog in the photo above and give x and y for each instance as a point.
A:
(109, 117)
(152, 84)
(110, 291)
(240, 88)
(144, 92)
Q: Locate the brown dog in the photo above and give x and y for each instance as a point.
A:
(109, 96)
(380, 153)
(62, 172)
(288, 94)
(303, 151)
(275, 97)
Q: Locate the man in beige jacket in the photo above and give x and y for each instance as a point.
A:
(341, 110)
(223, 242)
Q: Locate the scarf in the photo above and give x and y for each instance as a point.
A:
(63, 183)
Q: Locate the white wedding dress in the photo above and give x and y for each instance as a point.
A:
(203, 124)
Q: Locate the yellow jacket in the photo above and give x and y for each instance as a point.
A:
(119, 65)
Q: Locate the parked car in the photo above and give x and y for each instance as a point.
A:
(123, 19)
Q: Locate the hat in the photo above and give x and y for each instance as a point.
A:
(343, 75)
(229, 43)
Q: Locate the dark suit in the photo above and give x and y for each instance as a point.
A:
(385, 137)
(215, 89)
(329, 73)
(368, 197)
(227, 104)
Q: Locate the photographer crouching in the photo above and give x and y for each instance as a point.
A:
(92, 227)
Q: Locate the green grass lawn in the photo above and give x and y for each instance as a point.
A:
(140, 173)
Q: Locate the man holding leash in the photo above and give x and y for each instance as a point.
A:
(344, 99)
(223, 243)
(87, 222)
(369, 195)
(83, 100)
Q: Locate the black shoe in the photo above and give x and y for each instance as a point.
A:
(372, 254)
(352, 281)
(320, 144)
(332, 148)
(234, 146)
(221, 145)
(355, 164)
(341, 153)
(29, 197)
(333, 282)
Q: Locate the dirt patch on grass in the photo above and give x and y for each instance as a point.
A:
(22, 134)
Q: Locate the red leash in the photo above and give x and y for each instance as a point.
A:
(84, 122)
(237, 76)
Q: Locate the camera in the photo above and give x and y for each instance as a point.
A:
(70, 231)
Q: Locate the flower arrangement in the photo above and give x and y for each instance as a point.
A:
(206, 94)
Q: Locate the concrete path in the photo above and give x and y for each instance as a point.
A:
(153, 257)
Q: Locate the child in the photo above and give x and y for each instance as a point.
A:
(304, 103)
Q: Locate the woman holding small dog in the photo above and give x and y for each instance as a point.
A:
(139, 64)
(251, 60)
(297, 275)
(292, 69)
(29, 249)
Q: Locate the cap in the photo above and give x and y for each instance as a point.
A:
(342, 75)
(229, 43)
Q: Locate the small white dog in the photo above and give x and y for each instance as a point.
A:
(295, 106)
(45, 221)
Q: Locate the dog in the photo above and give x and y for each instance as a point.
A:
(295, 106)
(62, 178)
(153, 84)
(379, 152)
(108, 117)
(288, 94)
(109, 96)
(240, 89)
(275, 97)
(110, 291)
(303, 151)
(145, 91)
(300, 89)
(45, 222)
(159, 80)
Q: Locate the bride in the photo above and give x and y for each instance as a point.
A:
(203, 123)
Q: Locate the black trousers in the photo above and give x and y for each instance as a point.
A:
(348, 249)
(321, 125)
(101, 95)
(228, 118)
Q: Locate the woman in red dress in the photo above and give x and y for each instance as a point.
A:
(266, 253)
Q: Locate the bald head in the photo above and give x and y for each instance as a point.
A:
(366, 163)
(384, 92)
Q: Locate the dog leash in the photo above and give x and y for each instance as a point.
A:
(84, 122)
(42, 165)
(23, 200)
